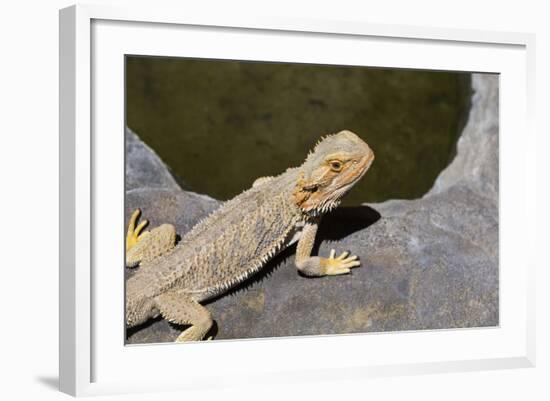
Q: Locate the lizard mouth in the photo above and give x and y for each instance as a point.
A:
(322, 198)
(333, 199)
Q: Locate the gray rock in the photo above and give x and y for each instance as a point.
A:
(144, 169)
(429, 263)
(476, 163)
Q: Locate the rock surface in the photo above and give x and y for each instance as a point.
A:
(429, 263)
(144, 169)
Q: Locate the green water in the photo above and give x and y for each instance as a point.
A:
(221, 124)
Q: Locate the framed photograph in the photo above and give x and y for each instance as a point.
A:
(239, 193)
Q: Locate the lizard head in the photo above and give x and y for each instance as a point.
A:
(330, 170)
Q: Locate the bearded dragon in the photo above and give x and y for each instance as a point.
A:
(238, 239)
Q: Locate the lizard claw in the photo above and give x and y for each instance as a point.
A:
(341, 264)
(134, 233)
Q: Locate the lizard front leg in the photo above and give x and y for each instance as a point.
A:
(144, 246)
(316, 265)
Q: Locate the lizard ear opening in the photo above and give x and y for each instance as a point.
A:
(303, 191)
(310, 187)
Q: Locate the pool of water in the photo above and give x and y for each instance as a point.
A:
(221, 124)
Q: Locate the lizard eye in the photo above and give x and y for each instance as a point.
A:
(336, 165)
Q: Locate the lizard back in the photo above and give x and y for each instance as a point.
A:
(226, 247)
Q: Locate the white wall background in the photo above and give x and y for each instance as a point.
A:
(29, 199)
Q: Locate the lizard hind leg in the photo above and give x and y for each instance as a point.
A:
(144, 246)
(179, 308)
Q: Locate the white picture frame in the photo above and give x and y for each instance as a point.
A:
(92, 39)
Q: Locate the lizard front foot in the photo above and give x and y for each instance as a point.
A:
(144, 246)
(341, 264)
(134, 234)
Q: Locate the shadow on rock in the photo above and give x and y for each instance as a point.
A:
(336, 225)
(132, 330)
(264, 273)
(344, 221)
